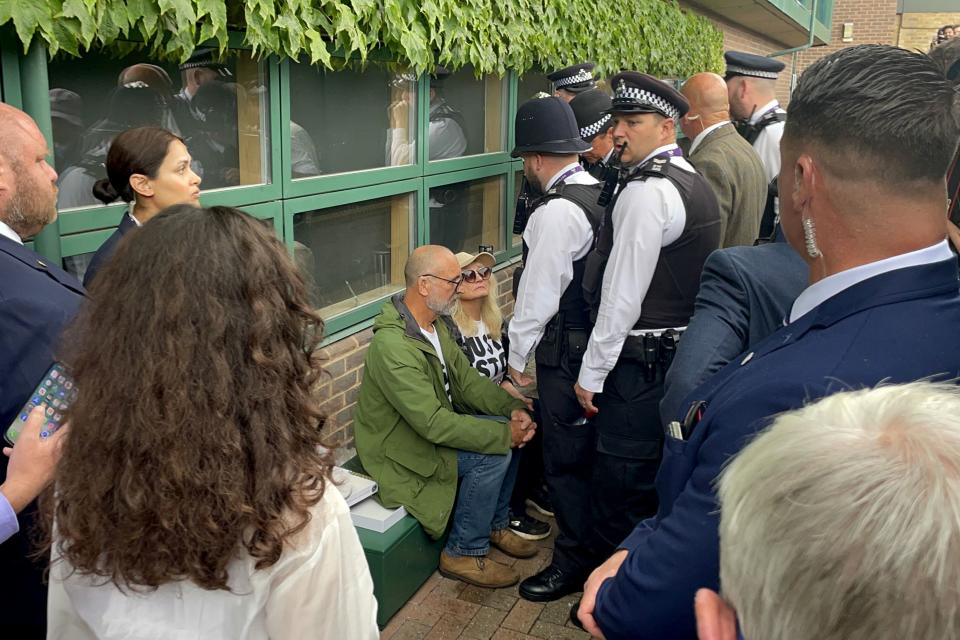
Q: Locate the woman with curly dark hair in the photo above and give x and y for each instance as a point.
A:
(193, 497)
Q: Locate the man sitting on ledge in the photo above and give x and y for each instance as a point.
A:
(418, 431)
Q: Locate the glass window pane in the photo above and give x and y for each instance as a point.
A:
(464, 215)
(354, 254)
(77, 265)
(467, 115)
(516, 239)
(532, 83)
(352, 119)
(221, 111)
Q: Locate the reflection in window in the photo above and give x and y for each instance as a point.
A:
(354, 254)
(220, 109)
(532, 83)
(467, 115)
(464, 215)
(77, 265)
(357, 118)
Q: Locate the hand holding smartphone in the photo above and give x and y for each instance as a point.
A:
(54, 394)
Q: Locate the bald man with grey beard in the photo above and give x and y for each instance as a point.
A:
(37, 300)
(725, 159)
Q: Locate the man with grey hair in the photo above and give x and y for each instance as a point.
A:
(419, 429)
(842, 522)
(37, 300)
(862, 184)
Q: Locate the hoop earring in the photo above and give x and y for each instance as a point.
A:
(810, 238)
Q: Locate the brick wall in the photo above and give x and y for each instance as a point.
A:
(737, 38)
(343, 366)
(918, 30)
(874, 22)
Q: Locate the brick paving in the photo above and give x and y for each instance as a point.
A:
(445, 609)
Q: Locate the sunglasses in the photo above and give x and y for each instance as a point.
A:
(475, 275)
(455, 282)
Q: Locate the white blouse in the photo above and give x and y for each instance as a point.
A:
(320, 588)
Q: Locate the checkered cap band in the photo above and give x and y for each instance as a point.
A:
(632, 96)
(744, 71)
(581, 76)
(594, 129)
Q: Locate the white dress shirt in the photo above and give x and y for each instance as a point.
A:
(319, 588)
(647, 215)
(822, 290)
(557, 234)
(7, 232)
(767, 144)
(703, 135)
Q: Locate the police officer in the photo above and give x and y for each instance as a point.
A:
(551, 321)
(570, 81)
(448, 139)
(592, 110)
(751, 87)
(641, 279)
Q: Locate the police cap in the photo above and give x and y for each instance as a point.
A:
(748, 64)
(591, 109)
(574, 79)
(635, 92)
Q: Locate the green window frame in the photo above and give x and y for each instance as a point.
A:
(25, 84)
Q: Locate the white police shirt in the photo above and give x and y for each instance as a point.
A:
(767, 144)
(648, 215)
(557, 234)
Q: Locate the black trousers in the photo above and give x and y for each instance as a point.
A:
(628, 454)
(600, 474)
(530, 472)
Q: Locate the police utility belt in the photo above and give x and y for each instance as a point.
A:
(564, 344)
(654, 349)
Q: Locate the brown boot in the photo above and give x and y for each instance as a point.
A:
(477, 570)
(512, 544)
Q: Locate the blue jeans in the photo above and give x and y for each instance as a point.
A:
(483, 501)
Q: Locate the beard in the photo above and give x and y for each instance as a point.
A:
(440, 306)
(533, 182)
(31, 209)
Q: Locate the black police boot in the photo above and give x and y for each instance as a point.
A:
(550, 584)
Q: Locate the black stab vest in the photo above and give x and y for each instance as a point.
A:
(573, 308)
(676, 279)
(750, 133)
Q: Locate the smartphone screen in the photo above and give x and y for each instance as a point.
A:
(54, 394)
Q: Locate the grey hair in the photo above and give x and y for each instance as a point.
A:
(842, 520)
(881, 113)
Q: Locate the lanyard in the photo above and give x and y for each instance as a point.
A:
(566, 174)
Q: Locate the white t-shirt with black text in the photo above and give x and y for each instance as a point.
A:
(485, 354)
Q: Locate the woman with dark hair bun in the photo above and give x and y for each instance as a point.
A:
(149, 168)
(193, 496)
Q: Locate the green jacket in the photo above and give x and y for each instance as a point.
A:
(407, 431)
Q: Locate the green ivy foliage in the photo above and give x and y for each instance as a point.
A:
(491, 35)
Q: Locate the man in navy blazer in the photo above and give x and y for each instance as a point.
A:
(37, 300)
(745, 295)
(863, 200)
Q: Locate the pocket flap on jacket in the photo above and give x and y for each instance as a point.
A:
(423, 463)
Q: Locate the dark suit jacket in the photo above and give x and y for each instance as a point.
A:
(37, 300)
(855, 339)
(745, 293)
(736, 175)
(105, 252)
